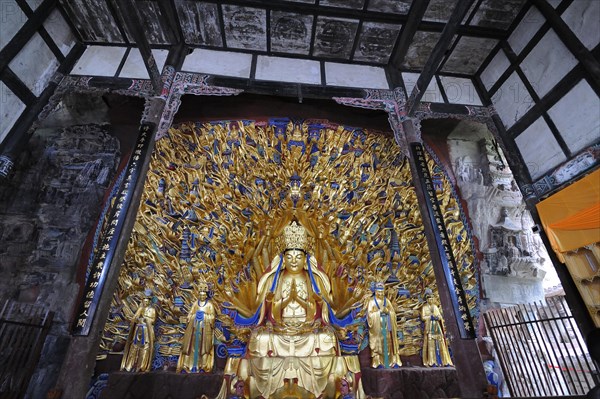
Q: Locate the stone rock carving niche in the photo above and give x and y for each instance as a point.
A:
(515, 262)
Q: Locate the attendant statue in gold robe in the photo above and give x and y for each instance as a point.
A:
(139, 349)
(197, 349)
(435, 348)
(383, 332)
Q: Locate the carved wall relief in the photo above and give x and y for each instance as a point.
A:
(515, 265)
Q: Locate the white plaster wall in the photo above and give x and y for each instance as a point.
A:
(495, 69)
(10, 110)
(527, 28)
(347, 75)
(60, 32)
(432, 94)
(577, 117)
(554, 3)
(583, 18)
(288, 70)
(548, 63)
(460, 90)
(99, 61)
(135, 68)
(35, 64)
(218, 63)
(34, 3)
(12, 18)
(512, 100)
(539, 149)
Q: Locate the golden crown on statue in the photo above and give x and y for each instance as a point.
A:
(295, 237)
(202, 286)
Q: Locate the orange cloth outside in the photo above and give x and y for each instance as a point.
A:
(571, 217)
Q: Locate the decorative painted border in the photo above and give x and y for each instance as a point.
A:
(451, 271)
(585, 161)
(391, 101)
(186, 83)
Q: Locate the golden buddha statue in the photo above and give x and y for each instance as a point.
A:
(197, 349)
(383, 335)
(293, 290)
(435, 348)
(293, 339)
(139, 349)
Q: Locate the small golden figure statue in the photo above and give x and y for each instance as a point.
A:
(238, 389)
(291, 390)
(197, 349)
(383, 335)
(435, 348)
(346, 387)
(139, 349)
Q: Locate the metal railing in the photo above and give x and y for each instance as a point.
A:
(541, 350)
(23, 329)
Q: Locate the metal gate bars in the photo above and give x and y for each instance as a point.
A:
(23, 329)
(541, 350)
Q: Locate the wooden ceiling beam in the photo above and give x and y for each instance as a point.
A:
(415, 16)
(437, 55)
(305, 8)
(167, 9)
(466, 30)
(370, 16)
(134, 24)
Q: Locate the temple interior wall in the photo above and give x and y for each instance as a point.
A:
(48, 210)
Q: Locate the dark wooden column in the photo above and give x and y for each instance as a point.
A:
(467, 359)
(132, 19)
(78, 367)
